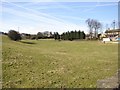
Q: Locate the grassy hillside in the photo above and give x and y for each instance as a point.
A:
(50, 63)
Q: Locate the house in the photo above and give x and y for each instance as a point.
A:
(113, 34)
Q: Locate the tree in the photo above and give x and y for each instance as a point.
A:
(51, 35)
(93, 24)
(56, 36)
(83, 35)
(79, 33)
(71, 36)
(39, 35)
(14, 35)
(75, 34)
(32, 37)
(90, 25)
(66, 36)
(63, 36)
(96, 26)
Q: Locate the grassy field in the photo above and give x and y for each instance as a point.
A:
(50, 63)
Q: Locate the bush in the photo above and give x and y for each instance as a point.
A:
(14, 35)
(32, 37)
(39, 35)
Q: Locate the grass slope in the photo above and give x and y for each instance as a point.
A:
(50, 63)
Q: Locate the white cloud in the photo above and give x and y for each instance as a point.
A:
(44, 22)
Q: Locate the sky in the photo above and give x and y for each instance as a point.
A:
(33, 16)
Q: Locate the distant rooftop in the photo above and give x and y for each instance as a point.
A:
(113, 30)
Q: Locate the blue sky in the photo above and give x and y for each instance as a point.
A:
(33, 17)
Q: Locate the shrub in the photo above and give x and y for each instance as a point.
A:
(14, 35)
(32, 37)
(39, 35)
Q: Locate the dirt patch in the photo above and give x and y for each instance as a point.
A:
(112, 82)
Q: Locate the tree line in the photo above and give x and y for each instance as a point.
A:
(93, 25)
(16, 36)
(70, 35)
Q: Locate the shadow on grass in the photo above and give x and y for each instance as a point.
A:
(27, 42)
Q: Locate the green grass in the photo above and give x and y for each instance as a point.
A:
(51, 64)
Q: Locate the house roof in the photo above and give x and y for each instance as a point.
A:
(111, 31)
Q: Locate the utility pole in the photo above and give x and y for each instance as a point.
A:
(114, 24)
(113, 27)
(118, 24)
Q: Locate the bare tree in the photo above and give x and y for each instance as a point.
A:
(96, 25)
(93, 24)
(90, 26)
